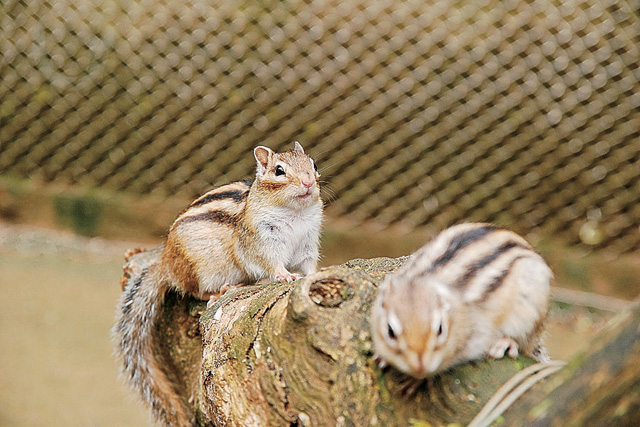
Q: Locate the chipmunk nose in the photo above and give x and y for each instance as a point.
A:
(307, 182)
(418, 367)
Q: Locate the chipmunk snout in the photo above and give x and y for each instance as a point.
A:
(307, 182)
(420, 369)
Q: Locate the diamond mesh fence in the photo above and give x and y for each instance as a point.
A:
(420, 113)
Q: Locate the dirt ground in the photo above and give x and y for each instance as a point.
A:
(57, 298)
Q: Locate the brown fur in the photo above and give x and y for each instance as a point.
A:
(221, 217)
(181, 267)
(271, 186)
(139, 351)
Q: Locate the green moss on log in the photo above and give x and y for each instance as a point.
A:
(302, 352)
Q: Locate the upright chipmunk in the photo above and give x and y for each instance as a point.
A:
(235, 234)
(475, 290)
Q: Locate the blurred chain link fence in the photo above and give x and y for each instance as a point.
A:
(423, 113)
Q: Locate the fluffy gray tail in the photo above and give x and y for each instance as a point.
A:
(139, 309)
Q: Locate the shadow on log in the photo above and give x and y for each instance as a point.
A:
(300, 354)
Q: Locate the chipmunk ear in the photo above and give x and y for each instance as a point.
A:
(263, 156)
(297, 147)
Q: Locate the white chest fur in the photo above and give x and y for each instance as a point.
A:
(290, 233)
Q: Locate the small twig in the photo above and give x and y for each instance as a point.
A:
(588, 299)
(511, 390)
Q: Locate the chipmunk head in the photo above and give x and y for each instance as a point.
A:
(289, 178)
(411, 325)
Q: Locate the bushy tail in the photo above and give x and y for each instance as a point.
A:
(139, 310)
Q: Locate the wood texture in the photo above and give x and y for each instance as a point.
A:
(300, 354)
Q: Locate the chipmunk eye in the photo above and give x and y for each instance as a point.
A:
(440, 329)
(279, 170)
(315, 167)
(391, 332)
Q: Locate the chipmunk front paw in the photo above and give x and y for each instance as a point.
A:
(504, 345)
(287, 277)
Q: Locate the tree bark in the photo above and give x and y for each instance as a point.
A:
(300, 354)
(599, 387)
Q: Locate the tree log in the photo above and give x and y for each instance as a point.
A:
(300, 354)
(599, 387)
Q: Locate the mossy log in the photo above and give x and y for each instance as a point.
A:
(300, 354)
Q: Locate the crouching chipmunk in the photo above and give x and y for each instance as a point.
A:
(475, 290)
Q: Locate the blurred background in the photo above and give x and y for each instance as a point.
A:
(420, 115)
